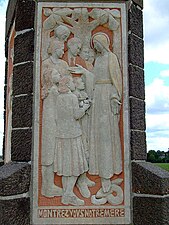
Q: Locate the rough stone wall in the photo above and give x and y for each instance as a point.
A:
(150, 184)
(15, 176)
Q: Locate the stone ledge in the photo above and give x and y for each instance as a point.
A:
(15, 212)
(14, 178)
(149, 179)
(151, 211)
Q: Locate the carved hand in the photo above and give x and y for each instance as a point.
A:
(86, 106)
(115, 106)
(78, 69)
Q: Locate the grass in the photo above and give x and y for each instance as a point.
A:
(164, 166)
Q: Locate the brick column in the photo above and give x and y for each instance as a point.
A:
(150, 184)
(15, 175)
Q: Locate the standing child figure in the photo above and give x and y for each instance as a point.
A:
(70, 159)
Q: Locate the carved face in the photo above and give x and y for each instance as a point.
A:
(80, 84)
(85, 54)
(75, 48)
(98, 46)
(59, 52)
(62, 33)
(71, 85)
(64, 36)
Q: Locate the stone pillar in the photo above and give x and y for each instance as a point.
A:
(15, 174)
(150, 185)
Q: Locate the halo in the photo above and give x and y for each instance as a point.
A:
(99, 33)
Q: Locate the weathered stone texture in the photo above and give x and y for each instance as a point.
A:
(136, 51)
(135, 21)
(23, 79)
(15, 212)
(24, 47)
(138, 145)
(14, 178)
(137, 114)
(139, 2)
(151, 211)
(136, 82)
(25, 12)
(149, 179)
(21, 143)
(22, 111)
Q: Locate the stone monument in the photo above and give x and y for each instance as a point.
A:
(74, 142)
(81, 139)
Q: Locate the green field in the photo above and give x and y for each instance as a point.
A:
(164, 166)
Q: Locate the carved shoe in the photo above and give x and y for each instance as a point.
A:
(84, 190)
(89, 182)
(71, 200)
(52, 191)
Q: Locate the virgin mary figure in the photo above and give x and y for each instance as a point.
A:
(105, 157)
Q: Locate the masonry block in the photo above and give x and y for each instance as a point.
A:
(135, 21)
(139, 3)
(138, 145)
(137, 114)
(136, 82)
(14, 178)
(24, 47)
(151, 210)
(22, 111)
(15, 212)
(149, 179)
(21, 143)
(23, 79)
(136, 51)
(25, 13)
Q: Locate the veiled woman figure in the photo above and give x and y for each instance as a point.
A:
(105, 157)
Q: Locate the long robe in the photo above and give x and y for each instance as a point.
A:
(105, 157)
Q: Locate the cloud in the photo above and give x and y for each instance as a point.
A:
(157, 117)
(157, 97)
(157, 143)
(156, 20)
(164, 73)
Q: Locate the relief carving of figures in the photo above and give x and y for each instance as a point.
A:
(52, 69)
(82, 99)
(105, 157)
(69, 159)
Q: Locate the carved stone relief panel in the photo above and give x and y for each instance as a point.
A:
(81, 141)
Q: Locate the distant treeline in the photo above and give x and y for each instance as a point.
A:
(158, 156)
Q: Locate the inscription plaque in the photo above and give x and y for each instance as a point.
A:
(81, 169)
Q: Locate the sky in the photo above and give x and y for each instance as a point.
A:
(156, 36)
